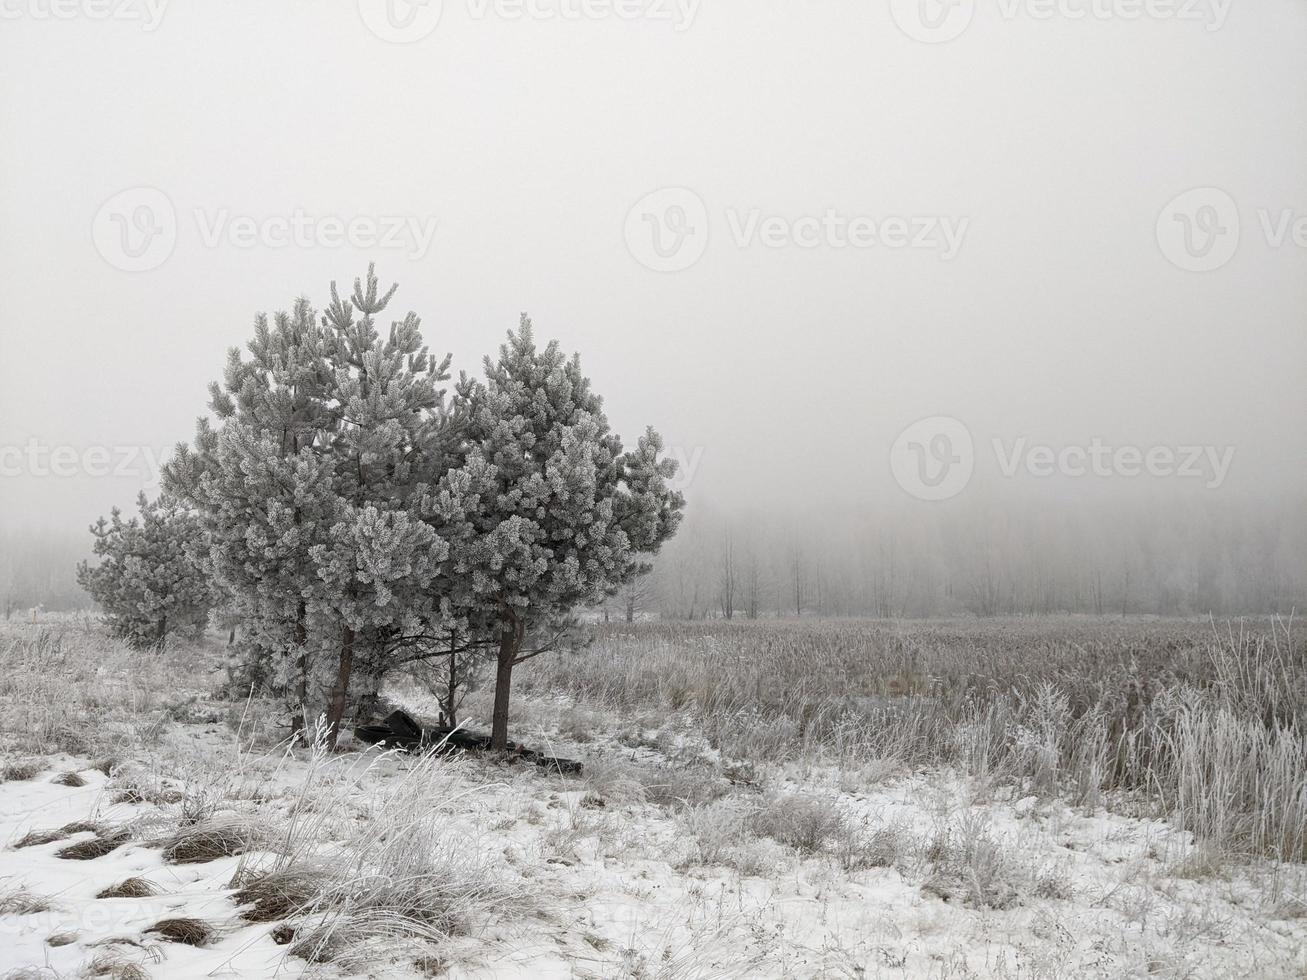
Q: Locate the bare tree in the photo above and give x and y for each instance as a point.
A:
(633, 595)
(753, 584)
(726, 590)
(796, 566)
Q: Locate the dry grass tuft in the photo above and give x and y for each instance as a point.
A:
(130, 888)
(208, 840)
(20, 900)
(70, 778)
(35, 838)
(61, 939)
(281, 894)
(397, 882)
(683, 786)
(18, 772)
(115, 966)
(98, 846)
(190, 932)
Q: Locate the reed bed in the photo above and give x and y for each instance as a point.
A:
(1205, 721)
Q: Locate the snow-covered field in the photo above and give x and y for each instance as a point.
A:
(664, 859)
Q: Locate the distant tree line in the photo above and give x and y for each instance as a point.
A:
(1180, 556)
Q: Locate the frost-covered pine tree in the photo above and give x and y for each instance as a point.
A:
(262, 483)
(323, 436)
(545, 511)
(151, 579)
(392, 439)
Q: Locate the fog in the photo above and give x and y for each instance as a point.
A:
(782, 234)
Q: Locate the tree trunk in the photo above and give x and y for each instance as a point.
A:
(301, 675)
(510, 640)
(162, 632)
(451, 692)
(340, 689)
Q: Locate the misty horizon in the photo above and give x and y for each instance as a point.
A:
(1091, 292)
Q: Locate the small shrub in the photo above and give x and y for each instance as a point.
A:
(718, 828)
(805, 823)
(883, 847)
(615, 780)
(69, 779)
(972, 868)
(1054, 883)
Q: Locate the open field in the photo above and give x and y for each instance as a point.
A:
(1035, 798)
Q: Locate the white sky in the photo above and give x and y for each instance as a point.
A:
(1058, 140)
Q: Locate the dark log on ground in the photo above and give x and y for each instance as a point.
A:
(400, 731)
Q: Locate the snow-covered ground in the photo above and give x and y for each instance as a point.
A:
(659, 862)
